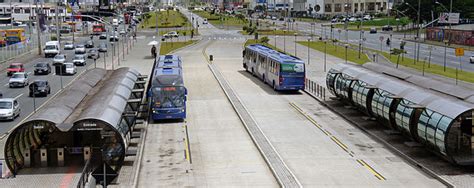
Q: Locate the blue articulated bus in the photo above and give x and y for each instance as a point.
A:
(167, 94)
(169, 61)
(279, 70)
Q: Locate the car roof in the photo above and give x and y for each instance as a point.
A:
(19, 73)
(7, 99)
(69, 63)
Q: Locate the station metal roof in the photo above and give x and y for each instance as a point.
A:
(108, 104)
(431, 99)
(463, 93)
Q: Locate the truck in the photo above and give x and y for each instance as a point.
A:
(52, 48)
(98, 29)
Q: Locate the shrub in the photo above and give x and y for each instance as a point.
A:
(264, 40)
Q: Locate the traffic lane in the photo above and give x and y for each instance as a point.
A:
(28, 104)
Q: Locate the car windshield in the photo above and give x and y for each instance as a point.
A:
(40, 65)
(80, 46)
(78, 57)
(169, 97)
(18, 76)
(40, 83)
(50, 47)
(69, 66)
(15, 66)
(5, 105)
(59, 57)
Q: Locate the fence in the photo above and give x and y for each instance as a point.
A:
(315, 89)
(9, 52)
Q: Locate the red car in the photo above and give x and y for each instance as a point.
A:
(15, 67)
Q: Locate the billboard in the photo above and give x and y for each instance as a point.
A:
(452, 18)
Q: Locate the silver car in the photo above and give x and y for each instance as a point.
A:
(471, 59)
(70, 68)
(80, 49)
(19, 79)
(9, 108)
(60, 58)
(79, 60)
(69, 45)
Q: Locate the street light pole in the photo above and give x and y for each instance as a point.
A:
(38, 29)
(309, 40)
(295, 46)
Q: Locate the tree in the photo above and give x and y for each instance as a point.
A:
(464, 7)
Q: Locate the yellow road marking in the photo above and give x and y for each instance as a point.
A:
(187, 154)
(340, 144)
(376, 174)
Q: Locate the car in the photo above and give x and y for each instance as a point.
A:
(171, 34)
(387, 28)
(42, 68)
(352, 19)
(68, 45)
(471, 59)
(79, 60)
(60, 58)
(89, 44)
(373, 30)
(19, 79)
(15, 67)
(281, 19)
(70, 69)
(80, 49)
(205, 21)
(113, 38)
(274, 18)
(103, 36)
(102, 47)
(367, 17)
(93, 54)
(122, 32)
(39, 87)
(9, 108)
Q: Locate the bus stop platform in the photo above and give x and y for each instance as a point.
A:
(63, 177)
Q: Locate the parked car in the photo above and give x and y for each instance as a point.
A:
(367, 17)
(387, 28)
(42, 68)
(471, 59)
(373, 30)
(80, 49)
(103, 36)
(39, 87)
(60, 58)
(9, 108)
(79, 60)
(171, 34)
(15, 67)
(102, 47)
(69, 45)
(70, 69)
(19, 79)
(89, 44)
(93, 54)
(352, 19)
(205, 21)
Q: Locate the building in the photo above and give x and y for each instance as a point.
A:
(340, 7)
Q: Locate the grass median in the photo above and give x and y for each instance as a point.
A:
(166, 19)
(222, 19)
(167, 47)
(273, 32)
(337, 51)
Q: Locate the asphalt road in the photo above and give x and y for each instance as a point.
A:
(373, 41)
(27, 103)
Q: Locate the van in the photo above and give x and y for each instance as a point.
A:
(51, 48)
(115, 22)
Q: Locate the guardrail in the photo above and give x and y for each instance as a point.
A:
(85, 174)
(315, 89)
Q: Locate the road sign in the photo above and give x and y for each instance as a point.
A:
(459, 51)
(381, 38)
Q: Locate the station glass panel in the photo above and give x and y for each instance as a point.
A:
(381, 104)
(431, 127)
(403, 115)
(441, 130)
(359, 93)
(330, 78)
(422, 123)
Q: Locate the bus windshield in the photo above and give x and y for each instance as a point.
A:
(169, 96)
(290, 68)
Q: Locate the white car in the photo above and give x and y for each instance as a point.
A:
(19, 79)
(367, 17)
(352, 19)
(79, 60)
(471, 59)
(9, 108)
(80, 49)
(70, 68)
(69, 46)
(171, 34)
(60, 58)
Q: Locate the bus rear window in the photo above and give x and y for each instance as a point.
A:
(292, 67)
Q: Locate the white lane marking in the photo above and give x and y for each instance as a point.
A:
(18, 96)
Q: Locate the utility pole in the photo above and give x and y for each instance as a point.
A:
(38, 28)
(57, 23)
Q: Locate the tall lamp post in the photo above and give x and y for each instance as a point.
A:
(295, 45)
(444, 33)
(309, 40)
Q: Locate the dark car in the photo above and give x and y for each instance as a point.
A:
(93, 54)
(373, 30)
(102, 47)
(387, 28)
(89, 44)
(39, 88)
(103, 36)
(42, 68)
(113, 38)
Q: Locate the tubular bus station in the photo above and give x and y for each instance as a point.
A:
(438, 115)
(89, 122)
